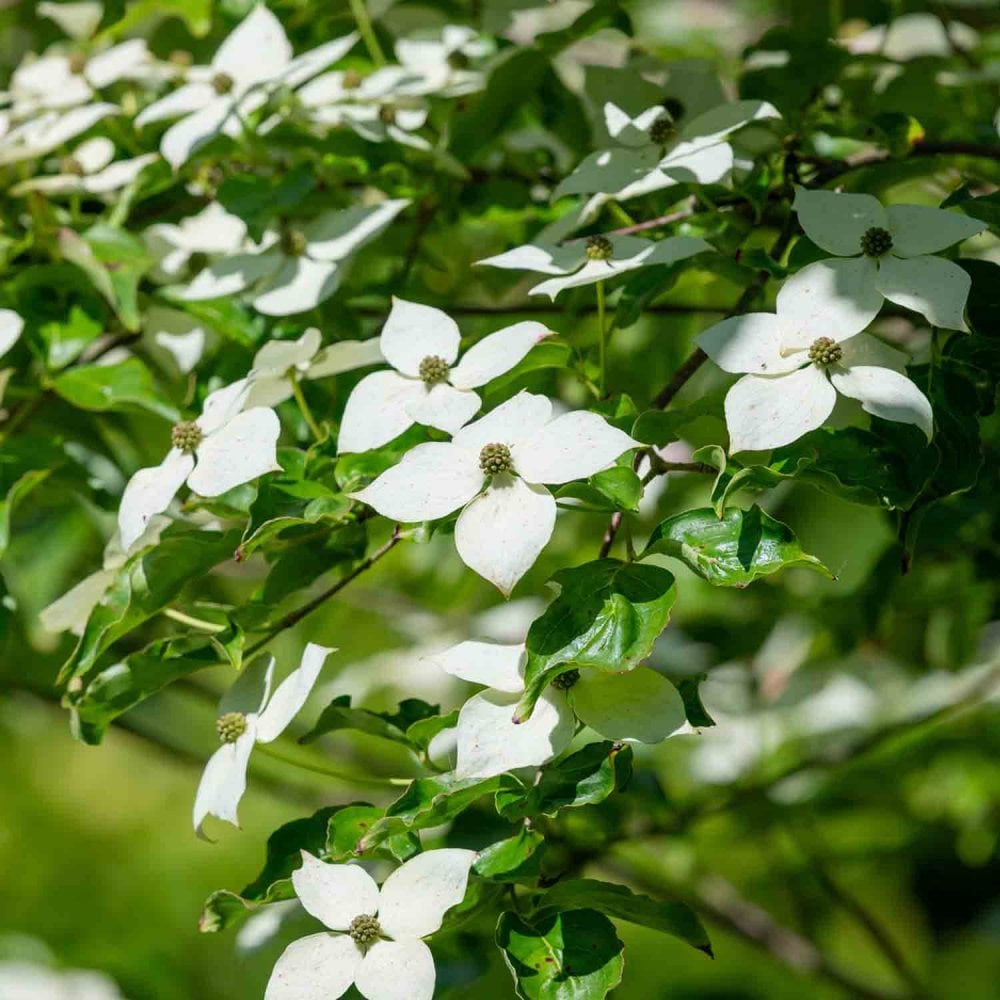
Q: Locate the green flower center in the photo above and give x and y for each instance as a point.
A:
(876, 242)
(352, 79)
(181, 57)
(77, 62)
(365, 929)
(231, 726)
(294, 242)
(186, 435)
(825, 351)
(565, 681)
(662, 130)
(71, 165)
(495, 459)
(458, 60)
(434, 369)
(222, 83)
(599, 248)
(387, 114)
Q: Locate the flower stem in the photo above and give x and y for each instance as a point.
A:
(602, 338)
(198, 623)
(300, 399)
(269, 750)
(360, 13)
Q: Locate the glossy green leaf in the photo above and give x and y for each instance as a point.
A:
(731, 551)
(607, 616)
(567, 956)
(127, 385)
(515, 859)
(349, 826)
(339, 715)
(15, 494)
(617, 488)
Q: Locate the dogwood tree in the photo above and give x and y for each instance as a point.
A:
(271, 323)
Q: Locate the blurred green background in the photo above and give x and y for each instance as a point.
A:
(851, 787)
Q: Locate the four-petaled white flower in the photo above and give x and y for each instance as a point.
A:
(250, 714)
(890, 250)
(596, 258)
(654, 153)
(278, 361)
(443, 65)
(90, 169)
(793, 379)
(427, 387)
(230, 448)
(377, 940)
(515, 448)
(639, 704)
(246, 68)
(213, 231)
(11, 327)
(298, 268)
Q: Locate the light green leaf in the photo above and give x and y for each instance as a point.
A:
(18, 491)
(617, 488)
(568, 956)
(339, 715)
(515, 859)
(127, 385)
(349, 825)
(731, 551)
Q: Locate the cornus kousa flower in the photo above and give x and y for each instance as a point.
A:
(493, 470)
(427, 386)
(247, 67)
(639, 704)
(794, 383)
(88, 169)
(299, 267)
(223, 448)
(212, 232)
(890, 250)
(376, 940)
(278, 363)
(45, 132)
(249, 713)
(443, 65)
(596, 258)
(655, 152)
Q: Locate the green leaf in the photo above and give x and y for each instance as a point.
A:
(549, 353)
(515, 859)
(21, 487)
(642, 289)
(431, 802)
(621, 903)
(197, 15)
(661, 427)
(617, 488)
(567, 956)
(607, 616)
(584, 778)
(339, 715)
(349, 825)
(694, 710)
(144, 586)
(257, 200)
(731, 551)
(284, 847)
(127, 385)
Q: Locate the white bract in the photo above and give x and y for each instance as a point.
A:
(279, 361)
(377, 935)
(596, 258)
(212, 231)
(792, 382)
(442, 65)
(914, 36)
(223, 448)
(176, 337)
(89, 169)
(427, 386)
(78, 18)
(639, 704)
(249, 713)
(654, 153)
(890, 250)
(42, 133)
(297, 269)
(248, 66)
(505, 521)
(11, 327)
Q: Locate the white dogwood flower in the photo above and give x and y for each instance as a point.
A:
(298, 268)
(890, 250)
(11, 327)
(223, 448)
(792, 384)
(250, 63)
(277, 361)
(213, 232)
(444, 65)
(596, 258)
(427, 386)
(377, 935)
(494, 470)
(638, 704)
(91, 168)
(41, 134)
(655, 153)
(249, 713)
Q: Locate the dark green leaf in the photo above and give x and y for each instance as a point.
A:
(694, 710)
(17, 492)
(617, 488)
(339, 715)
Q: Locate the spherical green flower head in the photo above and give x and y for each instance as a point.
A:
(434, 369)
(565, 681)
(365, 929)
(824, 351)
(876, 242)
(294, 242)
(495, 459)
(222, 83)
(662, 130)
(231, 726)
(186, 435)
(599, 248)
